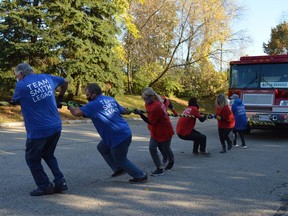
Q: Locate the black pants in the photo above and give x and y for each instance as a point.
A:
(241, 134)
(224, 136)
(198, 138)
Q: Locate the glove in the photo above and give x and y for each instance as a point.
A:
(129, 110)
(218, 118)
(138, 112)
(205, 117)
(210, 116)
(59, 101)
(72, 104)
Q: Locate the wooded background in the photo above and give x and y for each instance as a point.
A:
(179, 47)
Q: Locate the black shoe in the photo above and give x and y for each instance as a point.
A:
(118, 173)
(139, 180)
(205, 154)
(169, 166)
(195, 153)
(229, 146)
(40, 192)
(59, 188)
(223, 151)
(157, 172)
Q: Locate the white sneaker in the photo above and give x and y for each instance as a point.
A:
(243, 147)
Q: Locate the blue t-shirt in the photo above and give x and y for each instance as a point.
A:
(105, 114)
(239, 112)
(36, 94)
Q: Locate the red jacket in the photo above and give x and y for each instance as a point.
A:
(160, 128)
(185, 125)
(227, 118)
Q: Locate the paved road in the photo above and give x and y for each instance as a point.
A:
(241, 182)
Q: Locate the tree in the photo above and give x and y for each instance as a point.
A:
(72, 38)
(155, 21)
(278, 43)
(179, 35)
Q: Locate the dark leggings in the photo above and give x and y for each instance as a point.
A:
(198, 138)
(224, 136)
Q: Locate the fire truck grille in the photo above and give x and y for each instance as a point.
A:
(258, 99)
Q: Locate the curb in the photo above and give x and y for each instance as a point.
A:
(12, 124)
(21, 124)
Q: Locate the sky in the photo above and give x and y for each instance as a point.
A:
(257, 20)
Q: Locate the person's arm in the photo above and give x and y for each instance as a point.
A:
(140, 112)
(126, 111)
(145, 118)
(195, 112)
(76, 111)
(63, 88)
(16, 96)
(202, 119)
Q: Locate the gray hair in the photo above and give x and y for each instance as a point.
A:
(148, 91)
(23, 69)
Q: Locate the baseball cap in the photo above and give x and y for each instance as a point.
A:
(234, 96)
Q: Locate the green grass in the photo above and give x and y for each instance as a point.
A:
(13, 113)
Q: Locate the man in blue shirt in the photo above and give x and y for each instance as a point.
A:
(105, 113)
(36, 95)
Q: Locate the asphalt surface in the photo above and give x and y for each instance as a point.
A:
(250, 181)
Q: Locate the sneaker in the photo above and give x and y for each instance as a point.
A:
(59, 188)
(205, 154)
(157, 172)
(195, 153)
(118, 173)
(40, 192)
(236, 145)
(243, 147)
(223, 151)
(139, 180)
(229, 146)
(169, 166)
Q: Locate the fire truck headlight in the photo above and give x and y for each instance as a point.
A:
(283, 103)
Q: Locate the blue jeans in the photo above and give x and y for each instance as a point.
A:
(36, 149)
(164, 146)
(116, 158)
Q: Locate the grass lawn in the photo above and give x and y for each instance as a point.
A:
(13, 113)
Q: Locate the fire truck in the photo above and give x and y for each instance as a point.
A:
(262, 84)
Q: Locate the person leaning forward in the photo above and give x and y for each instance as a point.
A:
(105, 113)
(160, 127)
(36, 95)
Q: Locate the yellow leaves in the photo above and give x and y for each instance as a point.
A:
(120, 52)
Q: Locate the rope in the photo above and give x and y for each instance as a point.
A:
(74, 104)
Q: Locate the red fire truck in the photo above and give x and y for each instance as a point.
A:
(262, 84)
